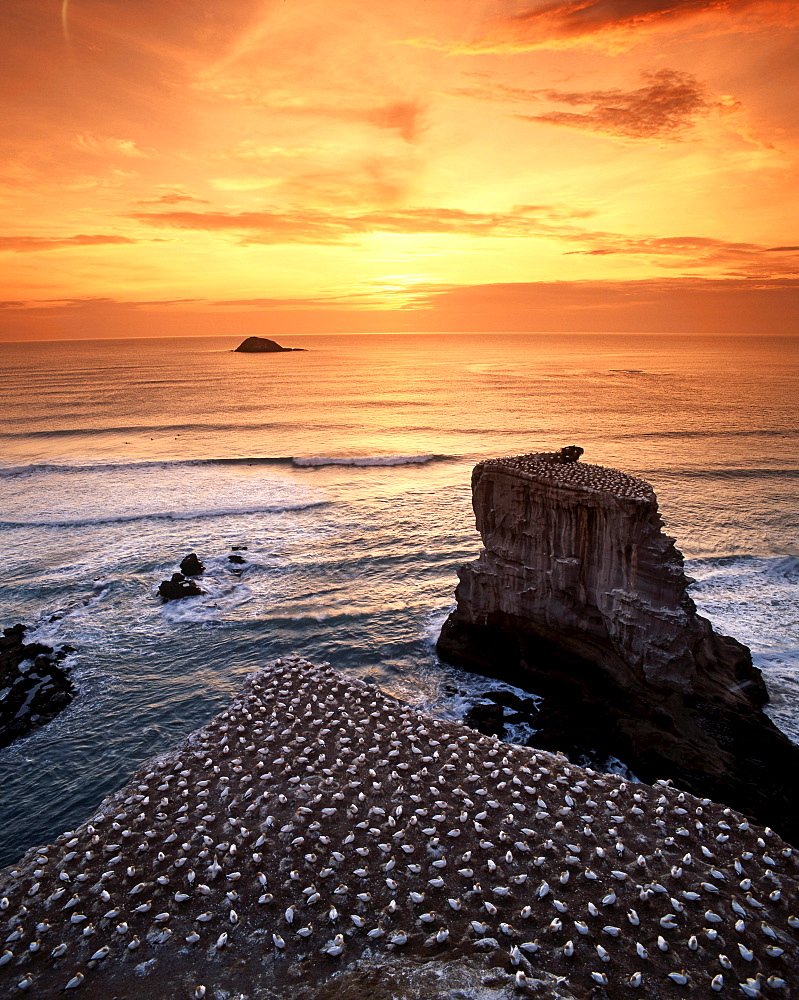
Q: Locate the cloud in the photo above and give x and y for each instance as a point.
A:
(747, 259)
(620, 23)
(23, 244)
(319, 227)
(666, 106)
(551, 222)
(104, 145)
(678, 305)
(675, 305)
(405, 117)
(175, 197)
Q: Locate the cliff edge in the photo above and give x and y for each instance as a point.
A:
(580, 596)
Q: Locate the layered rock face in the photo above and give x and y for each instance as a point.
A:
(580, 595)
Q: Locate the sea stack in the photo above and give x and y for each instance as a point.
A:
(319, 839)
(262, 345)
(579, 595)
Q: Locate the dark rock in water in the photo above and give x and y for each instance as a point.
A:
(486, 719)
(33, 688)
(272, 855)
(235, 558)
(262, 345)
(239, 548)
(580, 597)
(178, 587)
(191, 566)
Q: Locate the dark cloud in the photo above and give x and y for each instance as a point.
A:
(572, 21)
(24, 244)
(666, 106)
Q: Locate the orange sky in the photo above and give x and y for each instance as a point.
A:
(177, 167)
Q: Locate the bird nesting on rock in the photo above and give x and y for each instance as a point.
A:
(317, 820)
(562, 468)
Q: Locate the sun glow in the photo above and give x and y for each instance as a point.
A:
(256, 155)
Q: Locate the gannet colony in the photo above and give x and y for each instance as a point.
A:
(318, 827)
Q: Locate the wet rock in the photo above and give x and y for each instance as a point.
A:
(486, 719)
(178, 587)
(191, 566)
(580, 597)
(33, 688)
(235, 558)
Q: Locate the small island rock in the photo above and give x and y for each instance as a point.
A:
(262, 345)
(191, 565)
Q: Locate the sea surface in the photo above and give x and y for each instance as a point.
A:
(344, 471)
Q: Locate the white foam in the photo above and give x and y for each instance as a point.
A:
(172, 493)
(365, 460)
(755, 600)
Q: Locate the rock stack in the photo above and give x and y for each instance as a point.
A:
(580, 596)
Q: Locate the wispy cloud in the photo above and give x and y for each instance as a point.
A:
(739, 259)
(106, 145)
(26, 244)
(329, 228)
(175, 197)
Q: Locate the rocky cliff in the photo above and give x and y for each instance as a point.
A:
(579, 595)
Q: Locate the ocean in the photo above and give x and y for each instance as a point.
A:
(342, 474)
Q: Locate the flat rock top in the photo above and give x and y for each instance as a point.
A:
(550, 469)
(318, 827)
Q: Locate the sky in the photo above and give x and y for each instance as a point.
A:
(286, 167)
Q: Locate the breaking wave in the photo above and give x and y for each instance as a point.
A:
(365, 461)
(166, 515)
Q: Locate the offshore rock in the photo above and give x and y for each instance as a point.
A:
(178, 587)
(262, 345)
(190, 565)
(33, 687)
(580, 596)
(319, 840)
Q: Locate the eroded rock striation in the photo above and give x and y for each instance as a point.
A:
(579, 595)
(318, 832)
